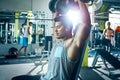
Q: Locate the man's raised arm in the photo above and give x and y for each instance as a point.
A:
(82, 32)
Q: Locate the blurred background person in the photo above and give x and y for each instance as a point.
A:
(108, 33)
(26, 31)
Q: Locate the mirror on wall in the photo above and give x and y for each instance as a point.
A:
(7, 24)
(10, 23)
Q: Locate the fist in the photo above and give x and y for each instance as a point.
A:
(85, 1)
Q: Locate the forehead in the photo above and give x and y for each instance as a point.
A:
(107, 22)
(58, 23)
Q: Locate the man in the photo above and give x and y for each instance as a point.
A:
(65, 54)
(108, 32)
(26, 31)
(30, 32)
(21, 33)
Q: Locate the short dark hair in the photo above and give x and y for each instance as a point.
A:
(30, 22)
(66, 22)
(23, 24)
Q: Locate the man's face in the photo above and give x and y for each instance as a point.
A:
(30, 24)
(108, 25)
(59, 30)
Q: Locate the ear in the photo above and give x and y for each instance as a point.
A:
(67, 29)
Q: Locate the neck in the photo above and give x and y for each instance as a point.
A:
(67, 37)
(109, 28)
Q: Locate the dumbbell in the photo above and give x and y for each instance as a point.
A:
(62, 6)
(59, 6)
(51, 5)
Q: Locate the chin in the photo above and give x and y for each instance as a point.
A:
(58, 37)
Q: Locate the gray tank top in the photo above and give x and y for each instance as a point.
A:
(60, 67)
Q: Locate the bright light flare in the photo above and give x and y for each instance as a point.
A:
(73, 16)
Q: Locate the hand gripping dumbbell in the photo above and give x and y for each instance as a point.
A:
(62, 6)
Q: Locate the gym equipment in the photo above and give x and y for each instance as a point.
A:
(48, 43)
(102, 41)
(62, 6)
(13, 50)
(94, 34)
(102, 48)
(11, 56)
(106, 56)
(12, 53)
(117, 38)
(76, 72)
(52, 5)
(7, 33)
(85, 1)
(96, 4)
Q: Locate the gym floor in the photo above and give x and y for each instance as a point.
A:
(31, 65)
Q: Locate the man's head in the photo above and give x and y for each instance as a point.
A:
(30, 23)
(107, 24)
(63, 27)
(22, 25)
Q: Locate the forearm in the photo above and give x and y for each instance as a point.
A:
(84, 14)
(85, 24)
(30, 31)
(21, 31)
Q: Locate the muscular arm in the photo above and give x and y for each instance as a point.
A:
(30, 30)
(104, 32)
(78, 42)
(22, 30)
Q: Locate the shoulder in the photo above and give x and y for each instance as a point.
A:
(112, 29)
(22, 28)
(104, 30)
(29, 27)
(25, 26)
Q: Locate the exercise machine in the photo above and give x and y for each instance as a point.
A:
(106, 56)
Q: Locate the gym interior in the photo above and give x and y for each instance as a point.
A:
(100, 61)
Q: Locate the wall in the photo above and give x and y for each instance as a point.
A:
(25, 5)
(15, 5)
(42, 6)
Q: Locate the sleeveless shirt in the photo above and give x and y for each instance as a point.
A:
(26, 31)
(60, 67)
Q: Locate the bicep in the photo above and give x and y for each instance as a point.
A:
(82, 34)
(29, 30)
(74, 51)
(78, 43)
(104, 32)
